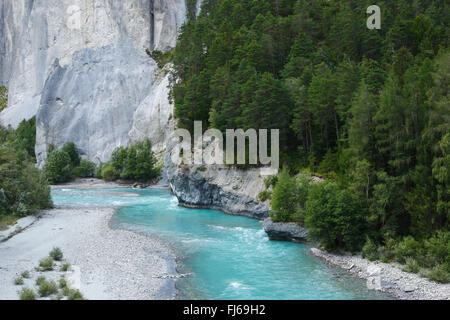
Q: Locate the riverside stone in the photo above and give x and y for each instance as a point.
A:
(285, 231)
(388, 277)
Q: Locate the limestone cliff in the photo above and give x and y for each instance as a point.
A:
(81, 67)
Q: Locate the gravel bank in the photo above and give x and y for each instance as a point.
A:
(388, 277)
(112, 264)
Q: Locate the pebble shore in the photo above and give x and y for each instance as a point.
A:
(388, 277)
(113, 264)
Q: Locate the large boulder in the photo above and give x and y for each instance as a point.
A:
(283, 231)
(232, 190)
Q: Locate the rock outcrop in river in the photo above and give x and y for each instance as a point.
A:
(285, 231)
(225, 188)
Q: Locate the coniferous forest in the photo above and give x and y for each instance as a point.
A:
(368, 110)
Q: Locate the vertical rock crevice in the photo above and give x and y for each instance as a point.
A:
(152, 24)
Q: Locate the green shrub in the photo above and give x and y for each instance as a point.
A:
(284, 198)
(136, 162)
(46, 264)
(437, 249)
(299, 216)
(18, 281)
(109, 173)
(25, 275)
(56, 254)
(66, 291)
(24, 189)
(6, 221)
(270, 181)
(58, 167)
(411, 265)
(63, 283)
(370, 250)
(335, 218)
(73, 153)
(27, 294)
(264, 195)
(74, 295)
(387, 252)
(40, 280)
(408, 247)
(86, 169)
(328, 165)
(47, 288)
(439, 274)
(161, 58)
(99, 170)
(24, 137)
(65, 267)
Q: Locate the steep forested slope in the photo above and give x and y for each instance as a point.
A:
(366, 108)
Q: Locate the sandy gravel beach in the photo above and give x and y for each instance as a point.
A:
(112, 264)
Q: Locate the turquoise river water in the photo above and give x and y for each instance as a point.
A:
(230, 257)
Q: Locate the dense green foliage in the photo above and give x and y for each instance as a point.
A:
(335, 217)
(65, 164)
(109, 173)
(23, 188)
(289, 197)
(58, 167)
(285, 198)
(23, 138)
(86, 169)
(136, 162)
(71, 150)
(367, 109)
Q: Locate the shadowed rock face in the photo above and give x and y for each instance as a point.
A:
(197, 190)
(219, 187)
(285, 231)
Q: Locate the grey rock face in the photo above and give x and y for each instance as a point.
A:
(92, 101)
(285, 231)
(228, 189)
(197, 191)
(36, 32)
(154, 117)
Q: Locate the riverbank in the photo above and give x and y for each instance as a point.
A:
(387, 277)
(113, 264)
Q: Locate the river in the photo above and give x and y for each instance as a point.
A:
(228, 257)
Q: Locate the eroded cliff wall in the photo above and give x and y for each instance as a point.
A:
(81, 67)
